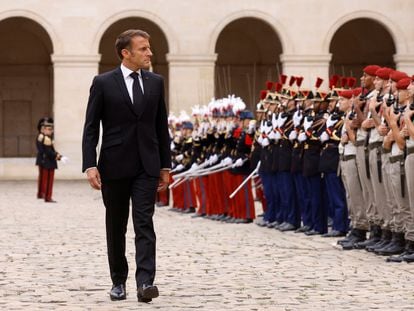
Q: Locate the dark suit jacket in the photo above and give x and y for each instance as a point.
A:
(134, 136)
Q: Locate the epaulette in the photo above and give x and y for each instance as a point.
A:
(47, 141)
(40, 137)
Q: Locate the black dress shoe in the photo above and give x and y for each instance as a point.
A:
(287, 227)
(302, 229)
(312, 232)
(189, 210)
(147, 292)
(118, 292)
(244, 221)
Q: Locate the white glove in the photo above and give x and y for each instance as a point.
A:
(179, 157)
(297, 118)
(274, 120)
(307, 124)
(278, 136)
(172, 146)
(213, 159)
(260, 139)
(330, 122)
(293, 135)
(64, 159)
(194, 166)
(238, 163)
(272, 135)
(252, 127)
(179, 167)
(227, 161)
(281, 120)
(324, 137)
(265, 142)
(302, 137)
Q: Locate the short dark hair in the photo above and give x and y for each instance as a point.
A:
(124, 39)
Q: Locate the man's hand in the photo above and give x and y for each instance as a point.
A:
(164, 180)
(94, 178)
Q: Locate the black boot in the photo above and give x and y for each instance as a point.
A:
(396, 246)
(374, 237)
(352, 235)
(385, 239)
(360, 236)
(408, 252)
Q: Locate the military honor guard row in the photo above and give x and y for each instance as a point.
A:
(341, 158)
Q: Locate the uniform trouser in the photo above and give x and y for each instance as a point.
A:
(379, 198)
(288, 205)
(244, 203)
(46, 184)
(367, 191)
(354, 195)
(389, 198)
(402, 212)
(270, 214)
(409, 171)
(319, 214)
(302, 198)
(275, 190)
(335, 194)
(189, 194)
(201, 184)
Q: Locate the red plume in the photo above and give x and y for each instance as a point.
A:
(344, 82)
(292, 80)
(351, 82)
(269, 85)
(278, 86)
(263, 94)
(282, 79)
(331, 83)
(299, 81)
(318, 82)
(335, 79)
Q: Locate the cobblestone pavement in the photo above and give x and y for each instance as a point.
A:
(53, 257)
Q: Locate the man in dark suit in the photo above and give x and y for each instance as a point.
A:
(134, 159)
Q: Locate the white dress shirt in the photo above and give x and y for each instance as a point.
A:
(129, 80)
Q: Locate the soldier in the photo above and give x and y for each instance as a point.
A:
(48, 158)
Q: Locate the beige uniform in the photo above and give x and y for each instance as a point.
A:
(367, 190)
(409, 171)
(353, 188)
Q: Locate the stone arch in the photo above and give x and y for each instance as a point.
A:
(56, 42)
(397, 34)
(258, 49)
(165, 28)
(360, 42)
(277, 27)
(26, 84)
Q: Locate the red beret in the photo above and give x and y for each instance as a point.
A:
(397, 75)
(346, 93)
(357, 91)
(403, 83)
(384, 73)
(371, 69)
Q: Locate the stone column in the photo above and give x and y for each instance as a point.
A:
(191, 79)
(308, 66)
(405, 63)
(73, 76)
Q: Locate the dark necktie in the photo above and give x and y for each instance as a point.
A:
(137, 94)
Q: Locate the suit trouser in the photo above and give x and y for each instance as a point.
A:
(367, 191)
(116, 196)
(409, 171)
(379, 198)
(389, 197)
(354, 195)
(401, 212)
